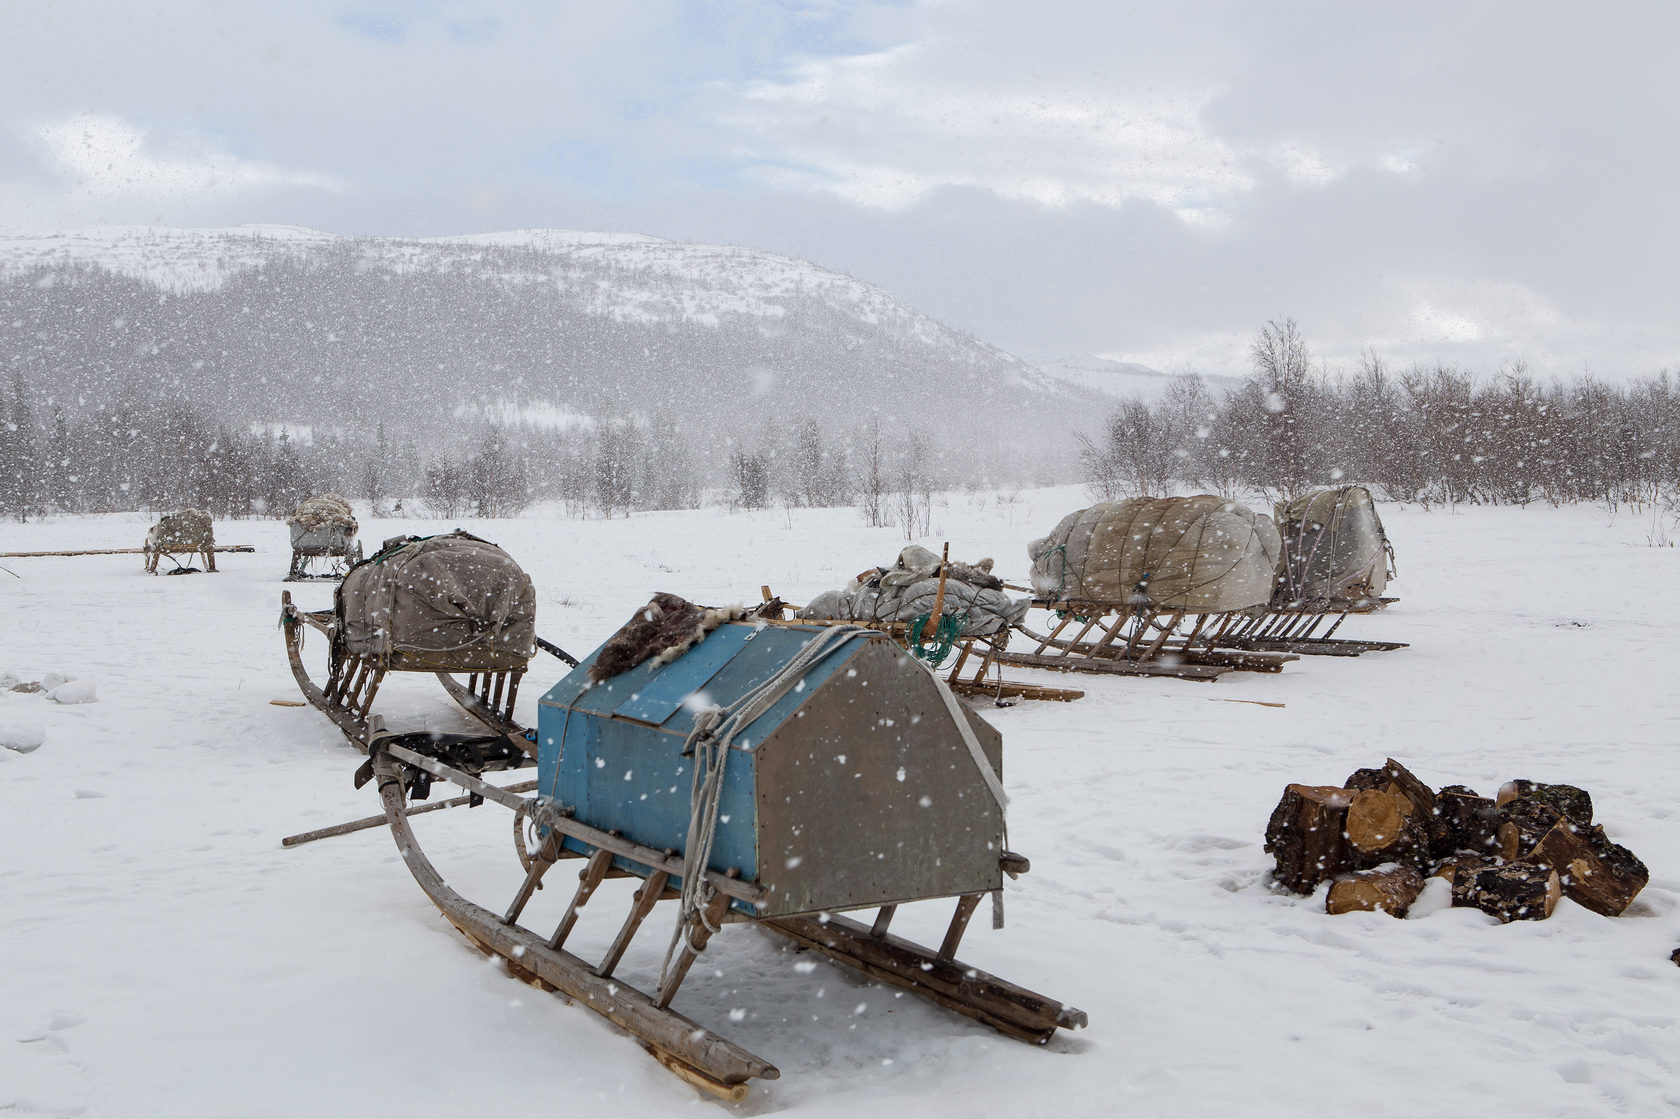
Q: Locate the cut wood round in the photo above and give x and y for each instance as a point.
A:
(1383, 827)
(1567, 799)
(1390, 889)
(1396, 778)
(1471, 821)
(1306, 836)
(1523, 822)
(1510, 891)
(1595, 872)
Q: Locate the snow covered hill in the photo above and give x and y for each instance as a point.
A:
(268, 320)
(1124, 379)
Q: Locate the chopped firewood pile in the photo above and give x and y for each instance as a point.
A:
(1382, 833)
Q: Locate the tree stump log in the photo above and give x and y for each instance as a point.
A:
(1396, 778)
(1306, 836)
(1385, 827)
(1567, 799)
(1390, 890)
(1471, 821)
(1595, 872)
(1510, 891)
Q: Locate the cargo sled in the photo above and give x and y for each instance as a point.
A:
(1150, 587)
(324, 544)
(1336, 562)
(938, 609)
(771, 775)
(446, 605)
(188, 533)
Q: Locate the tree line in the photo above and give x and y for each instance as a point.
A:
(1432, 434)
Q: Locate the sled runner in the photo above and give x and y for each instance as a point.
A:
(748, 774)
(324, 544)
(446, 605)
(1336, 562)
(1150, 587)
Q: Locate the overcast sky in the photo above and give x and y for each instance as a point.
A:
(1472, 182)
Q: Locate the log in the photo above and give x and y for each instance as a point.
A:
(1471, 821)
(1567, 799)
(1388, 890)
(1384, 827)
(1510, 891)
(1464, 863)
(1524, 822)
(1396, 778)
(1307, 836)
(1595, 872)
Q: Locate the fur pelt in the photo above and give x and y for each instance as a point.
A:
(663, 630)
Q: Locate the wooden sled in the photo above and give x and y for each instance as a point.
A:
(1124, 641)
(328, 552)
(352, 682)
(985, 651)
(1293, 628)
(687, 1048)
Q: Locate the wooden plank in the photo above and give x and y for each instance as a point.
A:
(116, 552)
(652, 889)
(1113, 667)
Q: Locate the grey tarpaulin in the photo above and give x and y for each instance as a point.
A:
(1203, 555)
(1334, 547)
(451, 603)
(907, 591)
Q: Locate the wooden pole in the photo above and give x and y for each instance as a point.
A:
(939, 595)
(115, 552)
(377, 821)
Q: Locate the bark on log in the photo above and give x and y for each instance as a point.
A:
(1306, 836)
(1510, 891)
(1390, 890)
(1396, 778)
(1385, 827)
(1524, 822)
(1462, 865)
(1471, 821)
(1595, 872)
(1567, 799)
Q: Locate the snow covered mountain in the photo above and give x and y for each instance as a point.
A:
(1123, 378)
(277, 323)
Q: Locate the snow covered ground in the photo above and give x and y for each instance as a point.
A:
(161, 954)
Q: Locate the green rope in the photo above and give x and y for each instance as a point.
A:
(936, 649)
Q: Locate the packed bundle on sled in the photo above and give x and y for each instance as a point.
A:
(324, 544)
(438, 604)
(1336, 561)
(776, 775)
(1149, 586)
(185, 532)
(936, 607)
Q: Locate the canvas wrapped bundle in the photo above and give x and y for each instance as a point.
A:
(1334, 548)
(322, 525)
(1200, 555)
(910, 588)
(451, 603)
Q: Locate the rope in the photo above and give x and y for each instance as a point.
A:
(936, 648)
(709, 742)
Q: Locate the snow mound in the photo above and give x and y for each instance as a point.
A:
(24, 738)
(74, 691)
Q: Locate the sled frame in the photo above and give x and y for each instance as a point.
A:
(1293, 627)
(1128, 640)
(685, 1047)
